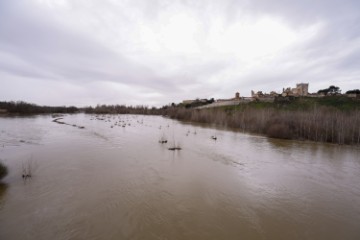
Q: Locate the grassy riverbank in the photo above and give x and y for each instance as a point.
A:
(329, 119)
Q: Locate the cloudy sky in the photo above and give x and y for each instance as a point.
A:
(154, 52)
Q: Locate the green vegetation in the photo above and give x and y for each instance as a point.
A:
(341, 103)
(354, 91)
(332, 90)
(197, 103)
(3, 170)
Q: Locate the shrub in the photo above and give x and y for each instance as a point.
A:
(279, 130)
(3, 170)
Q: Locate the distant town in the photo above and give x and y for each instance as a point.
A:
(301, 90)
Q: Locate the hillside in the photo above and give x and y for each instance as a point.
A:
(334, 119)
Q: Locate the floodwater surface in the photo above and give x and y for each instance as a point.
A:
(112, 179)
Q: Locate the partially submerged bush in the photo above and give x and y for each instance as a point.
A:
(279, 130)
(3, 170)
(279, 127)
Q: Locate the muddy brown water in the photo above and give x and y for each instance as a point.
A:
(104, 182)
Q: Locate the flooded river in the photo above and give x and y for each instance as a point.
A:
(112, 179)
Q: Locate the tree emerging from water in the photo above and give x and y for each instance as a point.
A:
(3, 170)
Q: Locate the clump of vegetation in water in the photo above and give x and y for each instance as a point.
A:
(27, 169)
(3, 170)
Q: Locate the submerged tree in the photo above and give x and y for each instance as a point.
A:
(3, 170)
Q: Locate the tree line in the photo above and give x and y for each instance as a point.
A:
(21, 107)
(122, 109)
(334, 90)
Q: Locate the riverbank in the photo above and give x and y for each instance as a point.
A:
(331, 120)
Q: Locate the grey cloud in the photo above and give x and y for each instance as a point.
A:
(306, 11)
(351, 62)
(34, 45)
(63, 54)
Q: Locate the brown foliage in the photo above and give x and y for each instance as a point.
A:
(279, 130)
(321, 124)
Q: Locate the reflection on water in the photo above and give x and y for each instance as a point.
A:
(3, 188)
(113, 180)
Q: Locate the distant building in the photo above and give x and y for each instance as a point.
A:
(263, 97)
(236, 98)
(302, 89)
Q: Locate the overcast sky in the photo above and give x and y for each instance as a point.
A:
(154, 52)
